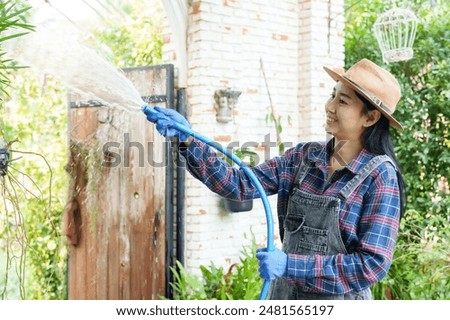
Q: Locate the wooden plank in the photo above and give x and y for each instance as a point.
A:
(156, 186)
(83, 122)
(121, 250)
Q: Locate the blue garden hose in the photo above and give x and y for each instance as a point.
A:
(270, 242)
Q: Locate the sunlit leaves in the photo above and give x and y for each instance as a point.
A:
(423, 148)
(11, 26)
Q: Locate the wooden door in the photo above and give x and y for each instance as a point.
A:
(115, 217)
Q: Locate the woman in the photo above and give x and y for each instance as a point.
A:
(339, 203)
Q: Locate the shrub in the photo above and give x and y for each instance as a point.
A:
(240, 282)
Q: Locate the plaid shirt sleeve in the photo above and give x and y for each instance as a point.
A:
(229, 182)
(378, 227)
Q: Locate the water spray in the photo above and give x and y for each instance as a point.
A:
(270, 241)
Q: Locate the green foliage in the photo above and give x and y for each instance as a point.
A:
(39, 158)
(27, 188)
(136, 42)
(421, 266)
(244, 154)
(240, 282)
(11, 18)
(46, 260)
(186, 286)
(276, 120)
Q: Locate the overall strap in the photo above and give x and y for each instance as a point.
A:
(306, 163)
(347, 190)
(299, 176)
(301, 172)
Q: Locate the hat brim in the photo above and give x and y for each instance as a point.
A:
(337, 77)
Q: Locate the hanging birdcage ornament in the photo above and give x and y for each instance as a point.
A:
(395, 31)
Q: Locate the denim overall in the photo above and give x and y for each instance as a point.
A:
(311, 227)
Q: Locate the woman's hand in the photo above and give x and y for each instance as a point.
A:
(272, 264)
(164, 119)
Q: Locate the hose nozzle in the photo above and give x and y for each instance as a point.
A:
(149, 112)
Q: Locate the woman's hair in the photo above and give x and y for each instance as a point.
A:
(377, 140)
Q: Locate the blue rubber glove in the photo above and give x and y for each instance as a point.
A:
(272, 264)
(164, 120)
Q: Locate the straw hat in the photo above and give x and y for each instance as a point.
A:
(374, 83)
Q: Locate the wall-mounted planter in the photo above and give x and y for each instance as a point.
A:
(233, 206)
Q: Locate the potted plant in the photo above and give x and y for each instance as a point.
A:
(248, 158)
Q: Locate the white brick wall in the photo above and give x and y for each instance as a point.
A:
(225, 41)
(321, 43)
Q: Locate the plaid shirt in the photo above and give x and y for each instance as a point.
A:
(369, 219)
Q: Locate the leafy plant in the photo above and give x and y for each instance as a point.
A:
(26, 185)
(39, 158)
(246, 283)
(240, 282)
(247, 156)
(421, 267)
(186, 286)
(10, 18)
(137, 41)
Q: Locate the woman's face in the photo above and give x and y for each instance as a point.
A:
(347, 116)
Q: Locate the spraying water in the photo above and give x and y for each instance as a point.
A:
(77, 65)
